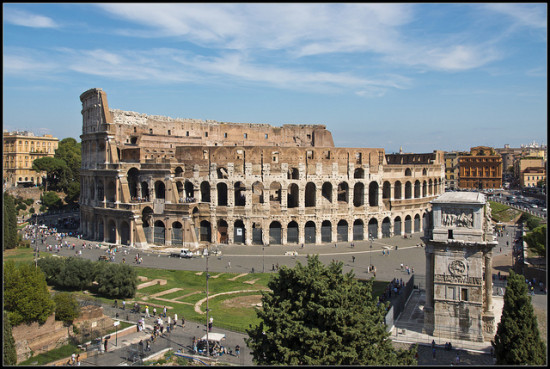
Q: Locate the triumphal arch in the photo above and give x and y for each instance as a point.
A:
(459, 251)
(153, 180)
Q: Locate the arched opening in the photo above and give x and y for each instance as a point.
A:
(177, 234)
(326, 192)
(110, 191)
(179, 188)
(386, 190)
(178, 172)
(124, 233)
(397, 190)
(408, 224)
(293, 196)
(408, 172)
(425, 222)
(189, 192)
(358, 230)
(358, 194)
(417, 189)
(343, 192)
(292, 234)
(111, 226)
(326, 231)
(293, 173)
(309, 232)
(257, 236)
(205, 231)
(205, 191)
(424, 189)
(310, 195)
(239, 232)
(133, 180)
(222, 173)
(408, 190)
(358, 173)
(275, 193)
(257, 193)
(424, 172)
(373, 194)
(397, 226)
(240, 197)
(147, 218)
(223, 236)
(100, 231)
(430, 187)
(222, 194)
(373, 228)
(417, 223)
(159, 235)
(275, 233)
(342, 231)
(159, 190)
(144, 191)
(386, 227)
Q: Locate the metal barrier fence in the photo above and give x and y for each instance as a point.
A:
(397, 304)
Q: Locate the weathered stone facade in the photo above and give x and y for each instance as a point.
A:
(171, 182)
(458, 268)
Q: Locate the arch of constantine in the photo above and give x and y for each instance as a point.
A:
(153, 180)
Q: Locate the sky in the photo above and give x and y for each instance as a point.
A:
(416, 76)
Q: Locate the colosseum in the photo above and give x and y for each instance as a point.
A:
(154, 181)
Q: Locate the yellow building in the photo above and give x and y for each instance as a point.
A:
(480, 169)
(20, 150)
(531, 176)
(452, 170)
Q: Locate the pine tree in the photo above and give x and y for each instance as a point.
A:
(518, 340)
(10, 222)
(10, 353)
(316, 315)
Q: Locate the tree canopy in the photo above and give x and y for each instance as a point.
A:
(10, 353)
(67, 308)
(26, 296)
(518, 341)
(536, 240)
(316, 315)
(10, 222)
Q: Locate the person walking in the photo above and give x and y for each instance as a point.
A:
(147, 311)
(237, 350)
(457, 360)
(210, 324)
(164, 311)
(353, 259)
(105, 345)
(175, 318)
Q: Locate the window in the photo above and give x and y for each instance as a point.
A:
(464, 294)
(225, 135)
(266, 136)
(150, 130)
(450, 234)
(246, 135)
(187, 133)
(169, 132)
(205, 134)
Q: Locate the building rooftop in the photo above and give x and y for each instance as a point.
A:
(461, 197)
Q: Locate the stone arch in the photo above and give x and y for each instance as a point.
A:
(417, 223)
(110, 191)
(408, 190)
(397, 226)
(326, 192)
(386, 190)
(416, 189)
(408, 224)
(343, 192)
(309, 232)
(222, 193)
(342, 231)
(189, 190)
(177, 234)
(358, 230)
(293, 173)
(205, 191)
(111, 228)
(373, 228)
(386, 227)
(373, 194)
(397, 190)
(424, 172)
(408, 172)
(180, 189)
(223, 236)
(275, 233)
(275, 192)
(239, 232)
(293, 196)
(145, 191)
(424, 189)
(160, 190)
(310, 195)
(358, 194)
(240, 194)
(359, 173)
(292, 232)
(326, 231)
(178, 172)
(133, 180)
(159, 233)
(124, 233)
(257, 193)
(205, 231)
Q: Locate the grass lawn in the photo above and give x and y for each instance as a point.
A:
(19, 255)
(52, 355)
(503, 213)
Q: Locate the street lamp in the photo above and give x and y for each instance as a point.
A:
(370, 253)
(207, 310)
(263, 259)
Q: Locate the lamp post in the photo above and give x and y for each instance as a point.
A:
(263, 259)
(207, 310)
(370, 253)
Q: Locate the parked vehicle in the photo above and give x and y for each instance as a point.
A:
(183, 253)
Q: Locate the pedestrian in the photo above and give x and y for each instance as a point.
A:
(147, 345)
(123, 305)
(105, 345)
(78, 360)
(210, 324)
(154, 311)
(457, 360)
(401, 266)
(140, 346)
(175, 318)
(433, 353)
(237, 350)
(182, 321)
(164, 311)
(73, 358)
(334, 245)
(383, 252)
(116, 303)
(353, 259)
(229, 264)
(147, 311)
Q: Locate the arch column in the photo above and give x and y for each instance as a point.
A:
(488, 283)
(105, 229)
(379, 231)
(318, 236)
(230, 230)
(248, 229)
(283, 234)
(392, 191)
(284, 198)
(302, 231)
(350, 232)
(167, 232)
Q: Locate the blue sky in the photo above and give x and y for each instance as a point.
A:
(419, 76)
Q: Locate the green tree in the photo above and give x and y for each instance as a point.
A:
(67, 308)
(26, 296)
(316, 315)
(52, 200)
(518, 341)
(76, 274)
(536, 240)
(116, 280)
(73, 193)
(52, 267)
(10, 222)
(57, 172)
(10, 354)
(69, 150)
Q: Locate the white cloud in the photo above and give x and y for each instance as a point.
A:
(530, 15)
(25, 19)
